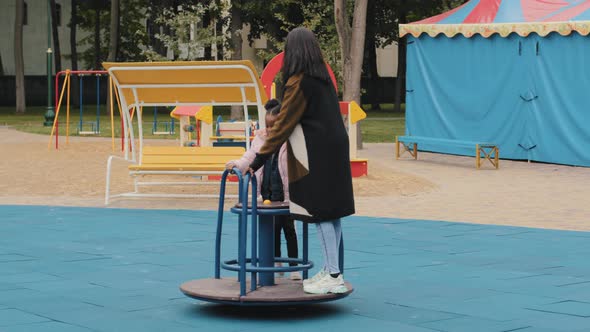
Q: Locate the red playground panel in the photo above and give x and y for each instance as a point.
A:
(359, 167)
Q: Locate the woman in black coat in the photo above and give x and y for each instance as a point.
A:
(320, 182)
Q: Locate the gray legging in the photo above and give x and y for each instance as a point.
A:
(330, 233)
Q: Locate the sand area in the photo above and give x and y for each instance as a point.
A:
(436, 187)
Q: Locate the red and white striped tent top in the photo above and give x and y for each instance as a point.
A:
(487, 17)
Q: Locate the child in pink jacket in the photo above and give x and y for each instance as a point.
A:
(273, 182)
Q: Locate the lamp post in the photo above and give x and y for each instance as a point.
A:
(50, 114)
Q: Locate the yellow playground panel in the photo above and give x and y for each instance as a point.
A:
(203, 127)
(189, 83)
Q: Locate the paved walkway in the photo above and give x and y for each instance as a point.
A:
(90, 269)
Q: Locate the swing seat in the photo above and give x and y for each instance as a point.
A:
(168, 128)
(93, 128)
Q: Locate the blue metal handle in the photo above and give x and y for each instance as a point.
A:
(219, 224)
(244, 182)
(305, 249)
(254, 243)
(341, 254)
(220, 218)
(242, 233)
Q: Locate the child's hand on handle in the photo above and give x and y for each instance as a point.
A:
(230, 165)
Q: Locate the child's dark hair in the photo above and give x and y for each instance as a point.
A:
(273, 106)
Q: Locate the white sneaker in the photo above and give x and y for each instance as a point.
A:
(295, 275)
(280, 274)
(315, 278)
(326, 285)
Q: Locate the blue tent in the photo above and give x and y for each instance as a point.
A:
(516, 73)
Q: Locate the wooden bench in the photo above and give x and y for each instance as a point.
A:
(232, 133)
(176, 160)
(489, 151)
(233, 140)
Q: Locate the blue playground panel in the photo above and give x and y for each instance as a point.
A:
(90, 269)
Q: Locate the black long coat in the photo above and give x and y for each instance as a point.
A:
(320, 181)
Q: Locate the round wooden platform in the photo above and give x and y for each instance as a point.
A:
(261, 206)
(227, 291)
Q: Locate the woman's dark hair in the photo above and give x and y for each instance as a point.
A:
(273, 107)
(303, 55)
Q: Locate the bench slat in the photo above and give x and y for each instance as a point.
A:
(181, 150)
(232, 137)
(179, 158)
(187, 159)
(178, 167)
(490, 151)
(422, 139)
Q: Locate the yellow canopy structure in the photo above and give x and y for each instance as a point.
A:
(188, 82)
(185, 83)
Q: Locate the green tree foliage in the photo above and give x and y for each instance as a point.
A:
(384, 16)
(276, 18)
(132, 31)
(188, 34)
(419, 9)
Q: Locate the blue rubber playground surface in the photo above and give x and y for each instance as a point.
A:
(89, 269)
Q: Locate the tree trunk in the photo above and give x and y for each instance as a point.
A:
(352, 42)
(97, 38)
(344, 36)
(237, 112)
(1, 66)
(55, 33)
(113, 39)
(206, 21)
(18, 57)
(219, 46)
(401, 64)
(236, 32)
(373, 73)
(155, 43)
(114, 33)
(73, 27)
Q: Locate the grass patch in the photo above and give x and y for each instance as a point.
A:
(381, 126)
(376, 128)
(32, 120)
(385, 111)
(379, 131)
